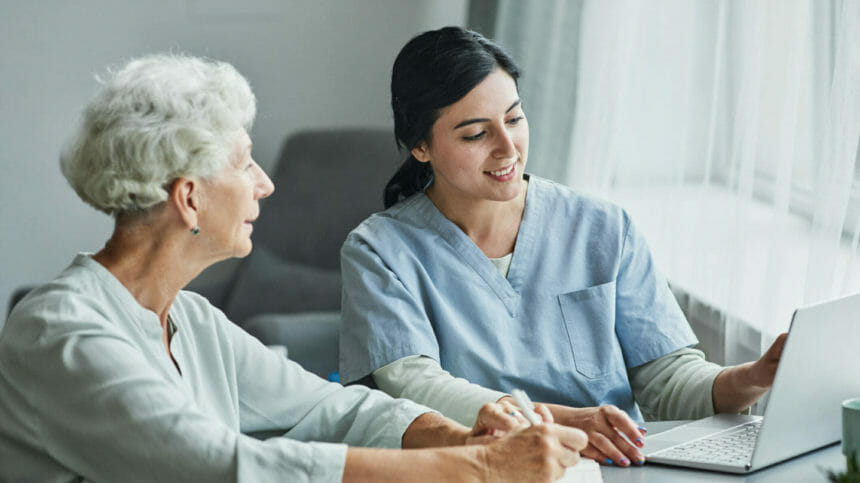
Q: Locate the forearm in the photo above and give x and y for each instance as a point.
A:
(443, 464)
(560, 414)
(736, 389)
(423, 380)
(431, 430)
(678, 385)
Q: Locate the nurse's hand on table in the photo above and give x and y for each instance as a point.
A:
(603, 424)
(531, 453)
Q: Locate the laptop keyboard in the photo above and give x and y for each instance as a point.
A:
(731, 447)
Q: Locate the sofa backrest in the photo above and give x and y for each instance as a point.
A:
(326, 183)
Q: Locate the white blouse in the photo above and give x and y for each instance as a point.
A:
(88, 390)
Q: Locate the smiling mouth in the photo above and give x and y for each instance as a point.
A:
(503, 171)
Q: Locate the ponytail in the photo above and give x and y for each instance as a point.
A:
(412, 177)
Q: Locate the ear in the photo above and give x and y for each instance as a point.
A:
(421, 152)
(185, 196)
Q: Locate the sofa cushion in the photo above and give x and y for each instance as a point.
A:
(268, 284)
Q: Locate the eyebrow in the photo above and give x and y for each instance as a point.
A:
(483, 119)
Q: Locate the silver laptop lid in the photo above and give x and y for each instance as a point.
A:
(817, 371)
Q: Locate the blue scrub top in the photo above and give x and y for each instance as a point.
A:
(581, 304)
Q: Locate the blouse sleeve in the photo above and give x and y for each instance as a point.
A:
(275, 392)
(423, 380)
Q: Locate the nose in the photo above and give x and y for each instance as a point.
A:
(505, 147)
(264, 187)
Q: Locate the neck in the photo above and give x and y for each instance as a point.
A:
(491, 225)
(151, 263)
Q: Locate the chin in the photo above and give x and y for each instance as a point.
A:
(510, 193)
(243, 252)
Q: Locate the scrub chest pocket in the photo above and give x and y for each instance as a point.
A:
(589, 317)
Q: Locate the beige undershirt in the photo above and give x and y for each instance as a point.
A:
(675, 386)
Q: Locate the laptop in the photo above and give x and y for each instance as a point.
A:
(817, 371)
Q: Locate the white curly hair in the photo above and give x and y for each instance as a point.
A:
(158, 118)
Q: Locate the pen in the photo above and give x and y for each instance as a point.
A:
(526, 406)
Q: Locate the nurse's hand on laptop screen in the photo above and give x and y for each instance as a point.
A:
(764, 370)
(738, 387)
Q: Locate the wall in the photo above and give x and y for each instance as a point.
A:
(310, 63)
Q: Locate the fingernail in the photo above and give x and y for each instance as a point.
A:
(624, 461)
(640, 462)
(642, 430)
(608, 461)
(639, 442)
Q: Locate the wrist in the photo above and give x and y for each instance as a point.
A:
(479, 463)
(459, 436)
(746, 376)
(434, 430)
(564, 415)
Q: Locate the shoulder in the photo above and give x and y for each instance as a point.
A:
(559, 202)
(390, 227)
(196, 311)
(76, 300)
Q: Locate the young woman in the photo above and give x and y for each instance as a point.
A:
(480, 278)
(110, 372)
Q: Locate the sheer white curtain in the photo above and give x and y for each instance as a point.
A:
(728, 129)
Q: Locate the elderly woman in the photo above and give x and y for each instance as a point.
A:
(111, 373)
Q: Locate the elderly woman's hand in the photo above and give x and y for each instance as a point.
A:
(536, 453)
(497, 419)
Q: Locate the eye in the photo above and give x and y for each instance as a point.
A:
(516, 120)
(475, 137)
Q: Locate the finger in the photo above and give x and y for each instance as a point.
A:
(571, 438)
(510, 408)
(557, 470)
(544, 413)
(592, 452)
(621, 421)
(513, 411)
(631, 453)
(775, 350)
(614, 456)
(569, 457)
(494, 417)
